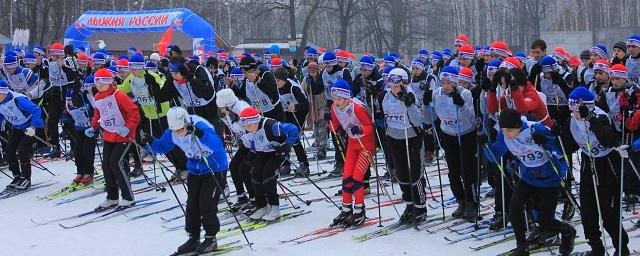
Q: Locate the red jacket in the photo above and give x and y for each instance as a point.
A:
(368, 136)
(129, 112)
(525, 101)
(633, 122)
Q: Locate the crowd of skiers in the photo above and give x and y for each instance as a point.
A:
(514, 119)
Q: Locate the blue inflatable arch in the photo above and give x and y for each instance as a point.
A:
(181, 19)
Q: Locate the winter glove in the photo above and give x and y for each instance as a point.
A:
(149, 80)
(146, 138)
(457, 98)
(539, 138)
(378, 116)
(191, 129)
(483, 139)
(283, 151)
(585, 113)
(535, 70)
(123, 131)
(90, 132)
(355, 130)
(427, 97)
(30, 131)
(496, 80)
(623, 151)
(556, 78)
(623, 101)
(327, 117)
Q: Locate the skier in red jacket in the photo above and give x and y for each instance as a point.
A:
(117, 116)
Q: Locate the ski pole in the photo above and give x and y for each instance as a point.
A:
(282, 186)
(437, 140)
(406, 145)
(375, 167)
(287, 196)
(594, 179)
(5, 174)
(315, 185)
(163, 174)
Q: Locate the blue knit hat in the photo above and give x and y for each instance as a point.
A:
(149, 65)
(633, 40)
(367, 62)
(450, 74)
(132, 50)
(418, 63)
(329, 58)
(89, 81)
(341, 89)
(600, 50)
(4, 87)
(99, 58)
(521, 56)
(581, 95)
(136, 62)
(436, 56)
(446, 53)
(29, 58)
(10, 61)
(549, 64)
(422, 53)
(311, 52)
(236, 73)
(39, 50)
(493, 67)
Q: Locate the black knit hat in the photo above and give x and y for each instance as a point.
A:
(620, 45)
(510, 118)
(247, 62)
(585, 55)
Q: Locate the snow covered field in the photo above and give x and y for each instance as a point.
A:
(121, 235)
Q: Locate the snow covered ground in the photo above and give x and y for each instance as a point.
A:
(122, 236)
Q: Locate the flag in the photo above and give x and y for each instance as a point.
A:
(165, 41)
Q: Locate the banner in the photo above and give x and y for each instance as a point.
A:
(134, 20)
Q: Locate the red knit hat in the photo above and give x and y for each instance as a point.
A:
(103, 76)
(56, 49)
(560, 54)
(461, 40)
(618, 71)
(275, 62)
(510, 63)
(602, 65)
(342, 55)
(250, 115)
(83, 58)
(499, 48)
(465, 74)
(465, 51)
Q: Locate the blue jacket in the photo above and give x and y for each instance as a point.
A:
(542, 176)
(28, 109)
(636, 145)
(215, 161)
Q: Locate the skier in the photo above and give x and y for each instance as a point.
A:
(454, 106)
(351, 115)
(404, 132)
(296, 107)
(80, 109)
(270, 142)
(117, 116)
(24, 117)
(599, 188)
(230, 108)
(315, 89)
(541, 169)
(206, 163)
(260, 88)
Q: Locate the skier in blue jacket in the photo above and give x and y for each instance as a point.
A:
(206, 164)
(25, 117)
(541, 170)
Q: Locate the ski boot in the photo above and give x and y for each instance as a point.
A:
(285, 170)
(126, 204)
(459, 211)
(23, 184)
(471, 211)
(346, 212)
(210, 244)
(273, 214)
(242, 201)
(428, 157)
(259, 213)
(107, 204)
(520, 251)
(405, 218)
(418, 215)
(14, 182)
(87, 180)
(357, 218)
(54, 153)
(303, 170)
(76, 180)
(189, 247)
(136, 172)
(567, 241)
(498, 222)
(337, 170)
(3, 163)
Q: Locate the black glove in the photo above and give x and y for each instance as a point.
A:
(427, 97)
(283, 150)
(457, 99)
(378, 115)
(556, 78)
(496, 80)
(408, 99)
(327, 117)
(191, 129)
(536, 69)
(539, 138)
(355, 130)
(585, 113)
(146, 138)
(483, 139)
(556, 128)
